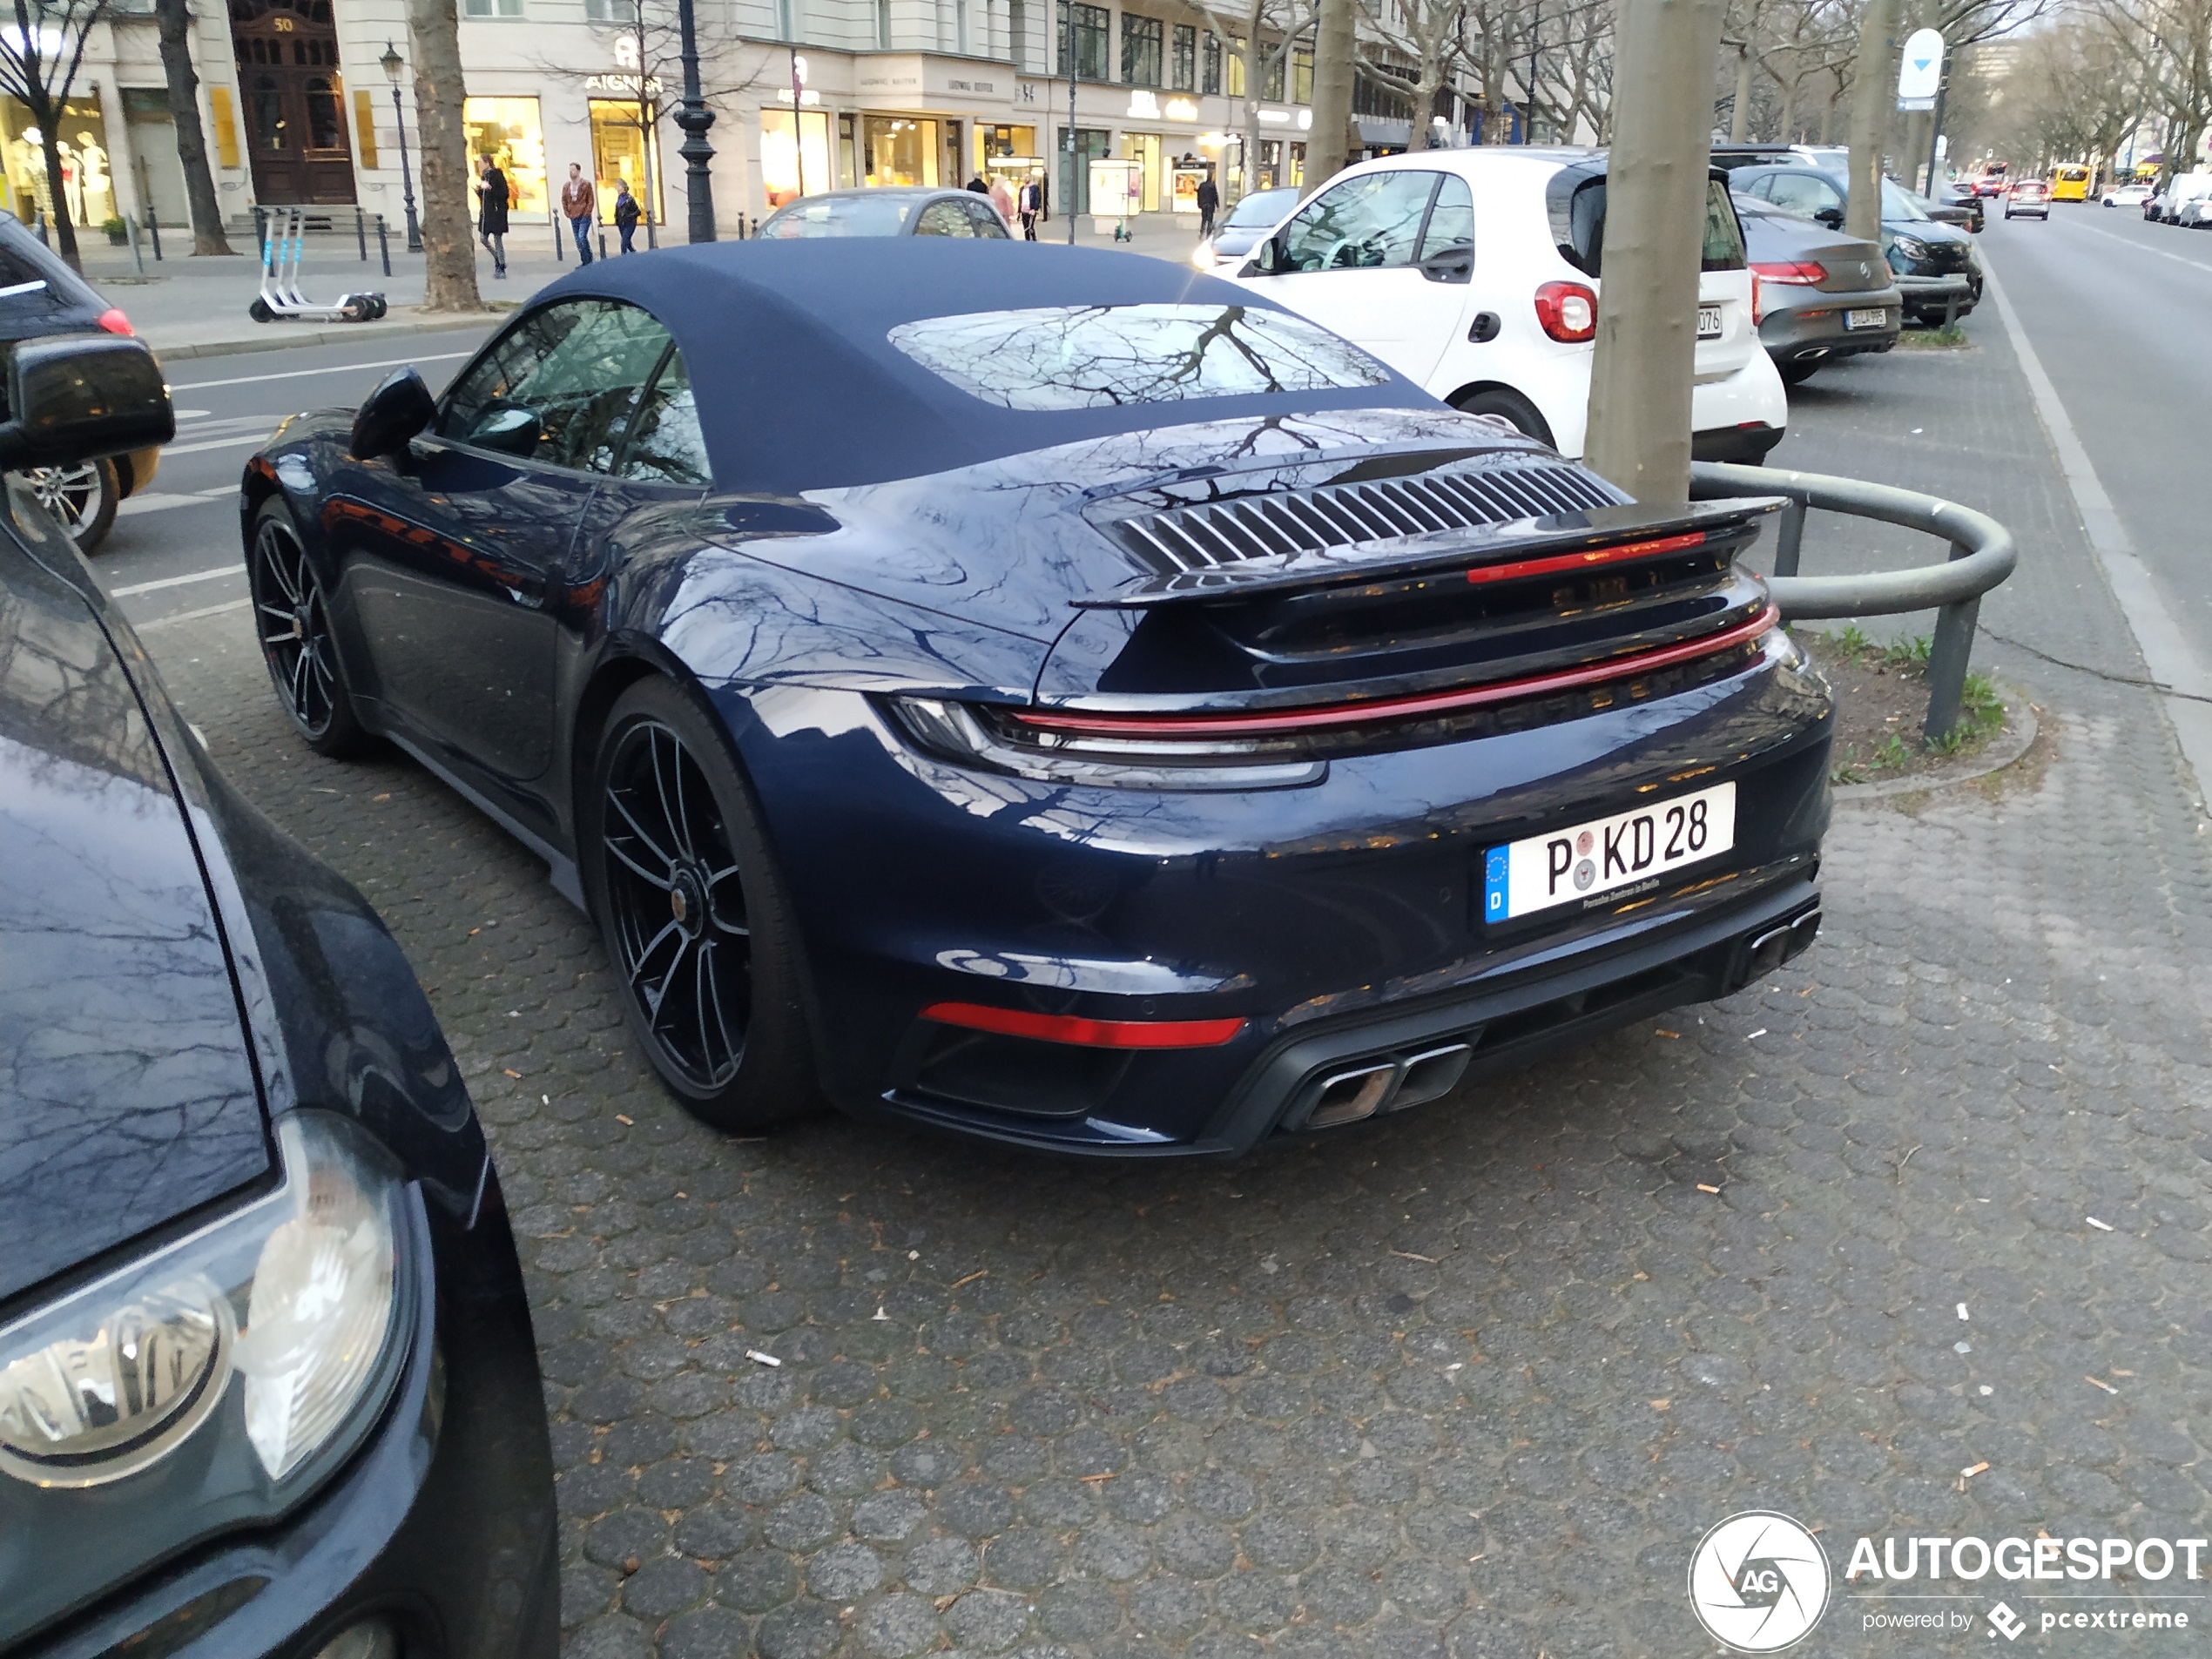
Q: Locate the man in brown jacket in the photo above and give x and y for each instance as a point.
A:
(580, 202)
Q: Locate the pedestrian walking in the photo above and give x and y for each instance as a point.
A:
(626, 211)
(491, 214)
(580, 204)
(1031, 204)
(1209, 205)
(1002, 200)
(975, 183)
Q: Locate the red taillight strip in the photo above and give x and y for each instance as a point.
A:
(1583, 561)
(1089, 1034)
(1290, 721)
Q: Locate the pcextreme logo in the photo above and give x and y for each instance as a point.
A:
(1758, 1581)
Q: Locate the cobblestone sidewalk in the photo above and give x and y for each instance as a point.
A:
(1471, 1381)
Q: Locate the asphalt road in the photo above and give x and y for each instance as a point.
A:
(174, 552)
(2117, 308)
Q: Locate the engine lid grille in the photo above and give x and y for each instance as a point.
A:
(1283, 524)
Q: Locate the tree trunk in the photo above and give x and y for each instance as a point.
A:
(64, 232)
(1739, 114)
(449, 244)
(1251, 56)
(1871, 100)
(174, 24)
(1326, 151)
(1654, 221)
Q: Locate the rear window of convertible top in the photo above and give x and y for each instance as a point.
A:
(1088, 357)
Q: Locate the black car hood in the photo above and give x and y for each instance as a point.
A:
(127, 1096)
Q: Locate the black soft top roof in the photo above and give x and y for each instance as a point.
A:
(798, 388)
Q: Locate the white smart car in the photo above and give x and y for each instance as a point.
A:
(1475, 273)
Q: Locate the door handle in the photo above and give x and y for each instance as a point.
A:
(1484, 328)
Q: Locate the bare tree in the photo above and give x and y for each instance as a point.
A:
(1430, 35)
(40, 59)
(173, 23)
(448, 240)
(2170, 44)
(1271, 29)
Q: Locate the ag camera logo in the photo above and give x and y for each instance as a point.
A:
(1758, 1581)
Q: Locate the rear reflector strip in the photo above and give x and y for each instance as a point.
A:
(1288, 722)
(1090, 1034)
(1597, 556)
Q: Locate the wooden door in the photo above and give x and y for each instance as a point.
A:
(295, 101)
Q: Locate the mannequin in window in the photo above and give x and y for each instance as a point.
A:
(96, 193)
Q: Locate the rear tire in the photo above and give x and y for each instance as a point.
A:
(1504, 400)
(696, 923)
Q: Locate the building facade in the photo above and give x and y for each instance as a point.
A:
(809, 94)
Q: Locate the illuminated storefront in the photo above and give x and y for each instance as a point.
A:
(791, 168)
(900, 150)
(618, 153)
(508, 129)
(88, 172)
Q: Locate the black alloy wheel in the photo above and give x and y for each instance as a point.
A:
(694, 922)
(292, 621)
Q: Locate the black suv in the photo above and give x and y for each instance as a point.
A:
(40, 295)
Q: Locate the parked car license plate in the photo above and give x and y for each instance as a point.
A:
(1708, 322)
(1877, 318)
(1608, 858)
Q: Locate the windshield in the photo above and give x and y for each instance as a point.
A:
(870, 215)
(1261, 208)
(1899, 203)
(1088, 357)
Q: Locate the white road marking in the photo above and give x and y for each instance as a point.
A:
(255, 438)
(155, 501)
(335, 368)
(193, 616)
(176, 581)
(2167, 652)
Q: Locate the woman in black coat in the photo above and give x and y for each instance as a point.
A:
(491, 214)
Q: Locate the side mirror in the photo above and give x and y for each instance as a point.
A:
(73, 398)
(398, 409)
(1832, 217)
(1270, 257)
(508, 429)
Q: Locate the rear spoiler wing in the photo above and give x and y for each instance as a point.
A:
(1414, 555)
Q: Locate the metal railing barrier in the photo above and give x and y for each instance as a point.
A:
(1982, 554)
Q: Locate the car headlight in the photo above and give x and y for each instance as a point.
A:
(1911, 246)
(289, 1302)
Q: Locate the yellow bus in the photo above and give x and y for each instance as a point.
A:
(2070, 184)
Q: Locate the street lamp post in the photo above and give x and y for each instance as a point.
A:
(694, 118)
(394, 66)
(1068, 138)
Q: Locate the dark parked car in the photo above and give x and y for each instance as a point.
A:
(1065, 698)
(40, 295)
(1821, 295)
(1242, 228)
(1936, 268)
(887, 211)
(268, 1385)
(1953, 203)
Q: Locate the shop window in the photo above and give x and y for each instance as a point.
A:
(1140, 50)
(1236, 68)
(897, 150)
(507, 129)
(786, 171)
(1092, 25)
(1211, 82)
(618, 151)
(1182, 62)
(88, 183)
(1302, 75)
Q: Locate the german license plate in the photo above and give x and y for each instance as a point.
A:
(1708, 322)
(1876, 317)
(1608, 857)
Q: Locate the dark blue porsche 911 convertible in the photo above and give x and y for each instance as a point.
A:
(1048, 693)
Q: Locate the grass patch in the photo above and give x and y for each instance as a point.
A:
(1935, 339)
(1882, 703)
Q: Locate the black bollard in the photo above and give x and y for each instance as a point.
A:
(153, 230)
(384, 244)
(361, 233)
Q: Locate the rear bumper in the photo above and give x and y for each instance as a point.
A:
(1815, 330)
(442, 1526)
(1747, 445)
(1306, 913)
(1932, 296)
